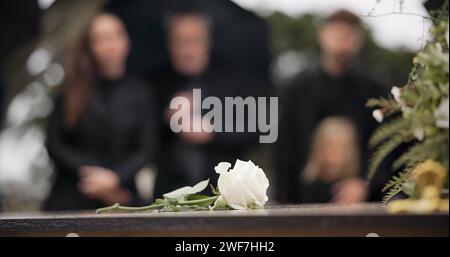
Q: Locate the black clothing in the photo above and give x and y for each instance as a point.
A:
(182, 163)
(315, 192)
(313, 96)
(116, 131)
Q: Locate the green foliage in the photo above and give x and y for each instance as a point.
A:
(397, 180)
(381, 153)
(297, 33)
(400, 183)
(390, 129)
(214, 190)
(414, 109)
(392, 192)
(386, 104)
(429, 149)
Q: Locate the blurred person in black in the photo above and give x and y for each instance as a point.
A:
(189, 157)
(334, 88)
(102, 130)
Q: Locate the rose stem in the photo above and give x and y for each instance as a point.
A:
(117, 206)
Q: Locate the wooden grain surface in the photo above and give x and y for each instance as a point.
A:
(291, 220)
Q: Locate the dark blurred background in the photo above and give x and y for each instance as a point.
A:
(36, 36)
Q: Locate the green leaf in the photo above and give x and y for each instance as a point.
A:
(200, 197)
(181, 193)
(397, 180)
(220, 203)
(196, 197)
(159, 201)
(388, 130)
(389, 106)
(430, 148)
(214, 190)
(392, 192)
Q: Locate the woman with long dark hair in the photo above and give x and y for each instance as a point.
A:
(102, 130)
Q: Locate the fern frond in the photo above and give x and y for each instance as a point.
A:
(385, 103)
(397, 180)
(388, 130)
(412, 156)
(397, 184)
(381, 153)
(428, 149)
(392, 192)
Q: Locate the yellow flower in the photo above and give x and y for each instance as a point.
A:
(429, 174)
(429, 177)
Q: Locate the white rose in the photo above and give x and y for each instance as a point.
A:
(441, 114)
(242, 187)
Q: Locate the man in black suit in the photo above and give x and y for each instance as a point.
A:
(335, 88)
(188, 157)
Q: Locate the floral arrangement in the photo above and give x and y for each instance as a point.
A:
(417, 115)
(242, 187)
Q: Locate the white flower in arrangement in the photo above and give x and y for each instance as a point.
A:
(378, 115)
(396, 93)
(243, 187)
(441, 114)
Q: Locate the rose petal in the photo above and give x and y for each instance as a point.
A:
(222, 167)
(231, 190)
